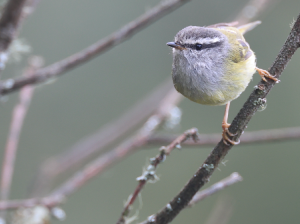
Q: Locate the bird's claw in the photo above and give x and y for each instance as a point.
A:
(265, 74)
(226, 134)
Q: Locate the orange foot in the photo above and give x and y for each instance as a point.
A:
(265, 74)
(226, 133)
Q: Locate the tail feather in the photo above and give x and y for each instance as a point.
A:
(247, 27)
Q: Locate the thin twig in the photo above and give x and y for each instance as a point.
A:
(253, 9)
(237, 127)
(18, 116)
(251, 137)
(97, 141)
(149, 173)
(226, 182)
(90, 52)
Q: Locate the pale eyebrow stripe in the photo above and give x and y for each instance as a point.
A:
(206, 40)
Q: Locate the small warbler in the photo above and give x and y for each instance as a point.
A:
(213, 65)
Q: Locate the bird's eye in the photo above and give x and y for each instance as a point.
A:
(198, 47)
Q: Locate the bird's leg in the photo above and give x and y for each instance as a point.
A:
(225, 127)
(265, 74)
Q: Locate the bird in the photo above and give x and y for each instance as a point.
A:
(213, 65)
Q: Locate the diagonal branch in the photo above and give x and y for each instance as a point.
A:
(149, 174)
(238, 125)
(222, 184)
(90, 52)
(18, 116)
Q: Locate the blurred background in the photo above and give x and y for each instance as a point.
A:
(90, 96)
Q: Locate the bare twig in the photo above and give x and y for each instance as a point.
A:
(237, 127)
(149, 173)
(99, 140)
(18, 116)
(232, 179)
(253, 9)
(251, 137)
(101, 46)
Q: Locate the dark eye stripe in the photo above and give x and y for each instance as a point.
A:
(203, 46)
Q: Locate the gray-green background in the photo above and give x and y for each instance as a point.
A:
(84, 99)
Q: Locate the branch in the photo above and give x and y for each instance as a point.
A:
(90, 52)
(18, 116)
(237, 127)
(149, 173)
(252, 137)
(228, 181)
(17, 120)
(253, 9)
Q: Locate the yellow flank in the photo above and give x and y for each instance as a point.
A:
(238, 71)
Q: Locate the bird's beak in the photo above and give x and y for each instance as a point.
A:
(176, 46)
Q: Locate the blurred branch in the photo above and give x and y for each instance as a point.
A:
(9, 23)
(18, 116)
(149, 173)
(228, 181)
(237, 127)
(13, 13)
(262, 136)
(98, 140)
(101, 46)
(253, 9)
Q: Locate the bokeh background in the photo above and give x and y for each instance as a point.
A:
(88, 97)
